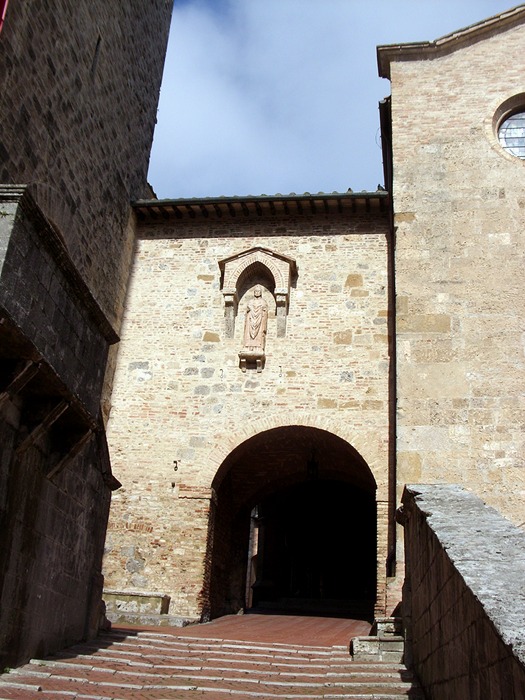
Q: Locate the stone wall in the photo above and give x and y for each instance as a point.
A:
(51, 547)
(182, 402)
(463, 601)
(459, 218)
(55, 479)
(80, 86)
(43, 294)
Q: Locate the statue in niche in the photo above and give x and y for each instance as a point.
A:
(255, 327)
(256, 321)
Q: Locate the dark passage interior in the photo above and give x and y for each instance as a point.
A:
(294, 527)
(315, 550)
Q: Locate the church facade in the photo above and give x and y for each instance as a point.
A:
(288, 363)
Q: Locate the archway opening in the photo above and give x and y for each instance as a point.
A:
(294, 527)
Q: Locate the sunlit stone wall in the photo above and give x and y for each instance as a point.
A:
(460, 218)
(181, 399)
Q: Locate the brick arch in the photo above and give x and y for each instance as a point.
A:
(337, 427)
(252, 469)
(254, 274)
(236, 274)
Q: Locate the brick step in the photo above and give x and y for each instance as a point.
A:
(158, 666)
(79, 671)
(95, 663)
(99, 687)
(171, 641)
(155, 653)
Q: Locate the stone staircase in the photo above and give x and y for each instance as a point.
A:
(151, 665)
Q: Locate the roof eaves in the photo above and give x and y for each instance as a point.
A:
(450, 42)
(185, 201)
(229, 207)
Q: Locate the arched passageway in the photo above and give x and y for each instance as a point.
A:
(293, 527)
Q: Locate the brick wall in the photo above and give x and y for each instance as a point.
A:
(463, 599)
(181, 396)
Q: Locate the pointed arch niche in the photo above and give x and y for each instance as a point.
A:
(260, 266)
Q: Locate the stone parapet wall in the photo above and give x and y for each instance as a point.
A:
(463, 602)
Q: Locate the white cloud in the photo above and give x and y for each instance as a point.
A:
(261, 96)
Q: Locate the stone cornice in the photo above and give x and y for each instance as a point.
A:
(450, 42)
(216, 208)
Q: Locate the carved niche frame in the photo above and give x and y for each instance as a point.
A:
(262, 266)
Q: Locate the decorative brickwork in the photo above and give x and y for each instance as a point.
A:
(258, 264)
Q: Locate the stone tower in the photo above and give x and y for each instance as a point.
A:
(459, 217)
(80, 84)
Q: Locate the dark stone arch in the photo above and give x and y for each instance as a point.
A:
(283, 473)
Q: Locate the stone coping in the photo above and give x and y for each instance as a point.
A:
(486, 549)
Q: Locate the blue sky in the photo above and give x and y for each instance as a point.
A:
(267, 96)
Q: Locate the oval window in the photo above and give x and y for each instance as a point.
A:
(511, 134)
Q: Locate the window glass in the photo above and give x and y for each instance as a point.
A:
(511, 134)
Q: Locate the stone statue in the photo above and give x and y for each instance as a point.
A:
(256, 322)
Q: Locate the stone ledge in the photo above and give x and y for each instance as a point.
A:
(388, 627)
(150, 619)
(129, 602)
(390, 648)
(471, 532)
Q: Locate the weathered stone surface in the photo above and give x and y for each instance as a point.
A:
(142, 603)
(390, 648)
(70, 133)
(465, 567)
(73, 156)
(312, 377)
(459, 262)
(47, 299)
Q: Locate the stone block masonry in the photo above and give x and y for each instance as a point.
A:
(459, 213)
(80, 87)
(80, 84)
(463, 601)
(45, 297)
(181, 403)
(55, 478)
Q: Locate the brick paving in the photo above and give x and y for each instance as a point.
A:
(253, 657)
